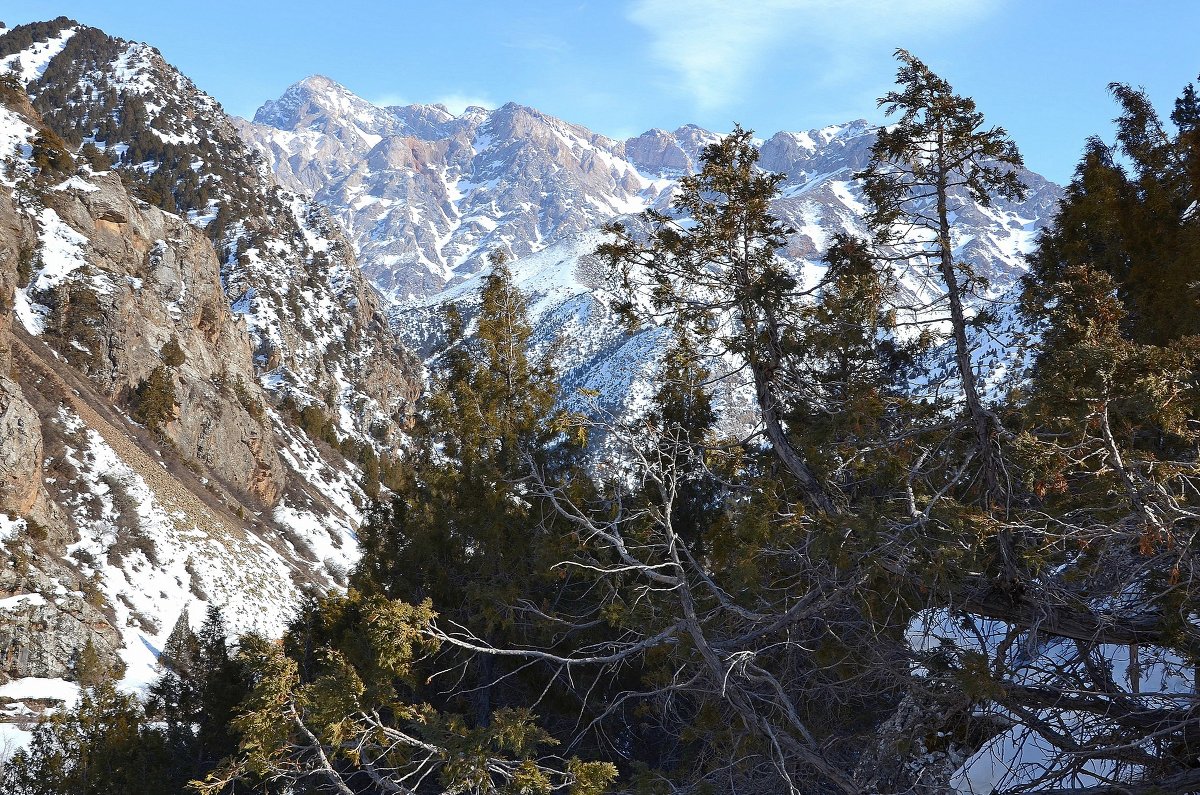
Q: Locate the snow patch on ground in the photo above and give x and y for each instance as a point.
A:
(33, 60)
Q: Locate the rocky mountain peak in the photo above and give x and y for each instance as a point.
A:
(319, 103)
(426, 202)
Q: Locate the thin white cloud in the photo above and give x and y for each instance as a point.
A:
(538, 42)
(715, 46)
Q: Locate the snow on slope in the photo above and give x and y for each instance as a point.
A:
(426, 195)
(29, 64)
(1017, 755)
(135, 552)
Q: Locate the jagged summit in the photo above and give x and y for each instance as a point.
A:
(425, 195)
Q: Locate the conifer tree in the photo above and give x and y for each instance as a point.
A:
(154, 400)
(196, 697)
(849, 369)
(719, 255)
(682, 411)
(102, 746)
(1131, 212)
(937, 151)
(462, 530)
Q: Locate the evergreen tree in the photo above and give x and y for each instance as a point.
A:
(172, 354)
(101, 747)
(460, 525)
(462, 530)
(345, 716)
(174, 698)
(682, 411)
(937, 153)
(90, 670)
(849, 369)
(1130, 211)
(50, 156)
(154, 400)
(719, 254)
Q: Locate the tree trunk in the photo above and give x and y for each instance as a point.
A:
(983, 424)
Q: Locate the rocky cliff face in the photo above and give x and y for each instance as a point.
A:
(159, 335)
(113, 285)
(316, 329)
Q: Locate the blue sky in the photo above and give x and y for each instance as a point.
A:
(623, 66)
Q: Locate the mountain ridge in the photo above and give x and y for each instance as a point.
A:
(424, 209)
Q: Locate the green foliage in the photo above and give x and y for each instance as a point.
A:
(153, 401)
(196, 697)
(938, 151)
(339, 699)
(312, 419)
(80, 318)
(853, 365)
(460, 533)
(22, 37)
(725, 261)
(172, 355)
(95, 157)
(102, 746)
(938, 140)
(50, 156)
(90, 668)
(1130, 212)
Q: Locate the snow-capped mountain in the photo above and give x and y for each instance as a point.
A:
(190, 362)
(425, 195)
(316, 325)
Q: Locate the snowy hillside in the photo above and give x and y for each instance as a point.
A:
(190, 362)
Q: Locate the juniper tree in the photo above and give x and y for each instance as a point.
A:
(717, 257)
(1131, 212)
(848, 370)
(937, 153)
(102, 745)
(1109, 456)
(683, 409)
(347, 717)
(463, 530)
